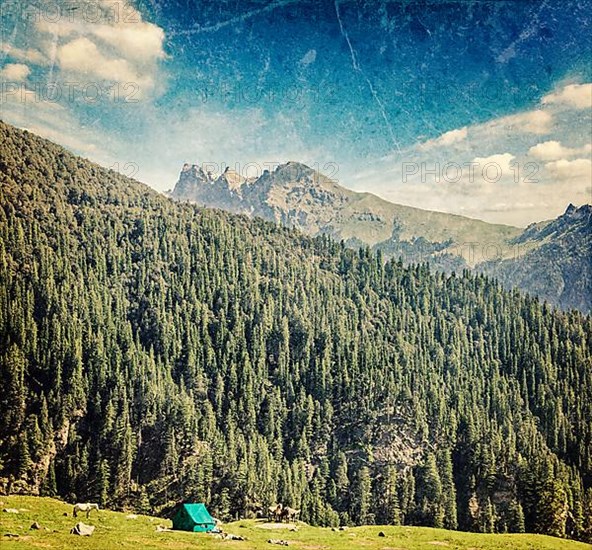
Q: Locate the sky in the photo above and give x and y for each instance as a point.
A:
(481, 108)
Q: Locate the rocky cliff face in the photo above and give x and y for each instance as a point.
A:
(191, 181)
(555, 262)
(550, 259)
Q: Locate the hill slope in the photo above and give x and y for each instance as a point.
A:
(552, 265)
(116, 530)
(152, 351)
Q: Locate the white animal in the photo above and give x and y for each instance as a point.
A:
(84, 507)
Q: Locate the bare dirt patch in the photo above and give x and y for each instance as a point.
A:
(276, 525)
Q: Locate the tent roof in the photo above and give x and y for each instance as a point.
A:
(198, 513)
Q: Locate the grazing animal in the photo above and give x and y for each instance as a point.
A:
(275, 512)
(289, 514)
(84, 507)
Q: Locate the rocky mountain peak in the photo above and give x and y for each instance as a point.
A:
(231, 179)
(293, 172)
(191, 178)
(578, 213)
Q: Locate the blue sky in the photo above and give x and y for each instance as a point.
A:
(367, 91)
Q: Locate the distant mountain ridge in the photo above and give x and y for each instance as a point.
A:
(298, 196)
(557, 261)
(547, 259)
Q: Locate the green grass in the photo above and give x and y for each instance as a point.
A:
(114, 531)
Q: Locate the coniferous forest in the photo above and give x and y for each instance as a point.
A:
(153, 351)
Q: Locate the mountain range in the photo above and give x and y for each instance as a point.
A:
(153, 351)
(550, 259)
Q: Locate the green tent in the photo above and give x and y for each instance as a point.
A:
(193, 517)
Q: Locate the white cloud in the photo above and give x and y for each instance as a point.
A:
(503, 161)
(538, 122)
(553, 150)
(111, 42)
(574, 95)
(570, 170)
(81, 55)
(446, 139)
(30, 55)
(142, 41)
(532, 122)
(15, 72)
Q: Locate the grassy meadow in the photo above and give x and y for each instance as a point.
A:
(115, 530)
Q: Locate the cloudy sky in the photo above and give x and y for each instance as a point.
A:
(482, 108)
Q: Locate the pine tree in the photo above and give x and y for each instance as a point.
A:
(448, 490)
(587, 516)
(487, 517)
(341, 482)
(515, 517)
(361, 498)
(552, 510)
(385, 498)
(407, 497)
(429, 494)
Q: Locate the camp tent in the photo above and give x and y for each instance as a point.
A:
(193, 517)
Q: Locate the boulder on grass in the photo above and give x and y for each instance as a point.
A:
(35, 526)
(82, 529)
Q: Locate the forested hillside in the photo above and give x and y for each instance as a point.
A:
(152, 351)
